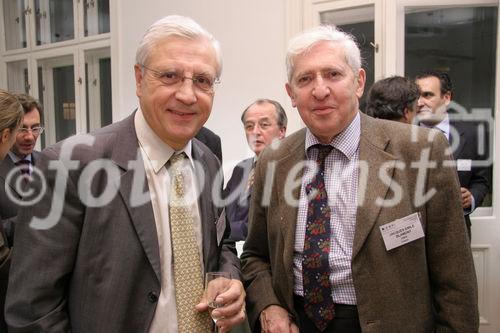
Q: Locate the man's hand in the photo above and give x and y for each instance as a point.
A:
(275, 319)
(466, 198)
(233, 311)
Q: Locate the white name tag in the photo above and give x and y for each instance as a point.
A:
(464, 165)
(402, 231)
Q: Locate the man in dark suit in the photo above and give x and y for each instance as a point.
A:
(361, 227)
(20, 159)
(436, 92)
(211, 140)
(127, 226)
(264, 122)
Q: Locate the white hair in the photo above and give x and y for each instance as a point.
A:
(175, 25)
(307, 39)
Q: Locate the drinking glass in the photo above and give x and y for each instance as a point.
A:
(216, 283)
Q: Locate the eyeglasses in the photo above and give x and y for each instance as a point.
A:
(203, 82)
(34, 130)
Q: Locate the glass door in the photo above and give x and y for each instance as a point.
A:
(460, 37)
(98, 88)
(15, 26)
(358, 20)
(17, 76)
(461, 41)
(57, 77)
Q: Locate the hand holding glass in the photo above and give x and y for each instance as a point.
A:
(216, 283)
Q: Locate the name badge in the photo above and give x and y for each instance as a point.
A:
(464, 165)
(402, 231)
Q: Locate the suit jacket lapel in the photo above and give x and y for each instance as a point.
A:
(142, 215)
(372, 157)
(207, 214)
(6, 166)
(288, 221)
(461, 140)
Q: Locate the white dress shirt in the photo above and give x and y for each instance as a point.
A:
(341, 181)
(155, 154)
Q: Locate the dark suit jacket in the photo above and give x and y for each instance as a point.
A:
(4, 274)
(8, 214)
(211, 140)
(7, 206)
(476, 180)
(427, 285)
(98, 268)
(238, 200)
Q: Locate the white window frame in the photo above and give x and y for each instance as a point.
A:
(92, 57)
(402, 5)
(39, 54)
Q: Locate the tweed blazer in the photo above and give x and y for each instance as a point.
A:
(427, 285)
(98, 268)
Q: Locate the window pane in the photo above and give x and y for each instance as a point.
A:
(96, 17)
(105, 91)
(58, 91)
(461, 42)
(360, 23)
(54, 21)
(43, 139)
(98, 78)
(15, 24)
(64, 101)
(17, 76)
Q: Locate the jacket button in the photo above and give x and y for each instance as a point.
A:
(152, 297)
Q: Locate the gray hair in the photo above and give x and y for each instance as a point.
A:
(175, 25)
(281, 117)
(307, 39)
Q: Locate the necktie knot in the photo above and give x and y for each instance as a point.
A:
(24, 166)
(323, 151)
(175, 166)
(176, 158)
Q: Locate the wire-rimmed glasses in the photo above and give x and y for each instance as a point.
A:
(203, 82)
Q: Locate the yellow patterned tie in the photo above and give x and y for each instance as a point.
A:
(251, 179)
(188, 279)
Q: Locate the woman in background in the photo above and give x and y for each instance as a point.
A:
(11, 115)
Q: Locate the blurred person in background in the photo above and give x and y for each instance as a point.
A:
(22, 156)
(11, 114)
(393, 98)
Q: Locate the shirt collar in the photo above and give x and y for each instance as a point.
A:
(443, 126)
(16, 158)
(347, 141)
(157, 151)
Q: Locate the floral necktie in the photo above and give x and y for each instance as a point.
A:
(318, 303)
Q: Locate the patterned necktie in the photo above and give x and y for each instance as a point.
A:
(318, 303)
(251, 178)
(188, 279)
(24, 166)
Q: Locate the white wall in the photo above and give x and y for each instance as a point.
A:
(253, 39)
